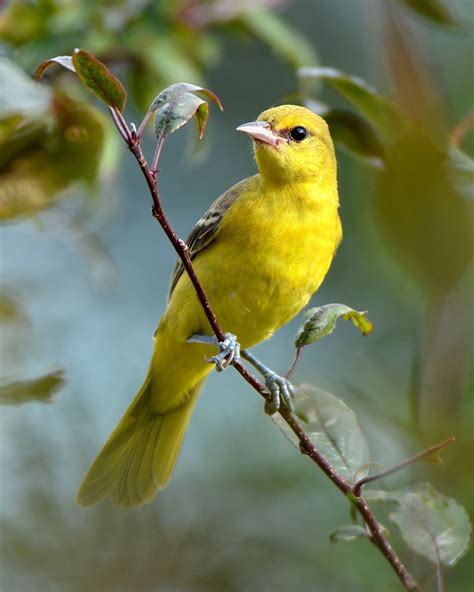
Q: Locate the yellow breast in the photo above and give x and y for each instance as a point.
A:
(271, 254)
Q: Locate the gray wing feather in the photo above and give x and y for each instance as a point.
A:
(206, 229)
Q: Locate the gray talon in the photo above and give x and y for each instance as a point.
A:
(229, 352)
(280, 390)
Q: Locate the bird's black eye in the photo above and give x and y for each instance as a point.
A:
(298, 133)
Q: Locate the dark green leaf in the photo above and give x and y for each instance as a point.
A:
(321, 321)
(434, 10)
(348, 533)
(355, 134)
(332, 427)
(99, 79)
(40, 389)
(378, 110)
(64, 61)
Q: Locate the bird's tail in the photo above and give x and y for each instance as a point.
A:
(140, 455)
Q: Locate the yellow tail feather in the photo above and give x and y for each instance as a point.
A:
(140, 455)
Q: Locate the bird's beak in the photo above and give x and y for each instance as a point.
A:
(261, 131)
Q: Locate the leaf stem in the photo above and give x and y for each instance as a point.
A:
(290, 370)
(306, 445)
(424, 453)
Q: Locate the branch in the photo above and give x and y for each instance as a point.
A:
(133, 141)
(423, 454)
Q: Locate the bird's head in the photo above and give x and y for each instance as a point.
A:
(291, 144)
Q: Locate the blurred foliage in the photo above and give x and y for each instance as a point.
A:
(41, 389)
(155, 43)
(43, 152)
(52, 142)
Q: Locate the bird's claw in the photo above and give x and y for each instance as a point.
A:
(280, 389)
(229, 352)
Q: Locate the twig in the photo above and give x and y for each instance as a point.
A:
(289, 372)
(307, 447)
(424, 453)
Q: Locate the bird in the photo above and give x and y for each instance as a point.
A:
(260, 252)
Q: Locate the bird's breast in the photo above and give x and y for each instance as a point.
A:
(266, 264)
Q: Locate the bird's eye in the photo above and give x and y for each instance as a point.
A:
(298, 133)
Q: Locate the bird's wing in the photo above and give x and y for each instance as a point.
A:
(206, 229)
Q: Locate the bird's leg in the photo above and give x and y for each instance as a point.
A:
(229, 349)
(279, 387)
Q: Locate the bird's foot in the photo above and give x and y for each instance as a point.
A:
(229, 349)
(280, 388)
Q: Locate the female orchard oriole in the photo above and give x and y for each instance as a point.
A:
(260, 252)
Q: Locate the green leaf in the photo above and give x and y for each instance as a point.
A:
(432, 524)
(348, 533)
(99, 79)
(64, 61)
(354, 133)
(321, 321)
(287, 43)
(41, 389)
(177, 104)
(174, 114)
(45, 157)
(332, 427)
(433, 10)
(378, 110)
(175, 90)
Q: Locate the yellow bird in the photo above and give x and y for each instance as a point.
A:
(260, 252)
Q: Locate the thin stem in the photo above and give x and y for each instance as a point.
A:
(306, 445)
(290, 370)
(121, 124)
(156, 156)
(424, 453)
(143, 125)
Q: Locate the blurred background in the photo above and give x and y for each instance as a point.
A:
(84, 276)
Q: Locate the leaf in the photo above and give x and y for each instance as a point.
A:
(175, 90)
(332, 427)
(174, 114)
(99, 79)
(433, 10)
(321, 321)
(354, 133)
(64, 61)
(43, 158)
(348, 533)
(378, 110)
(177, 104)
(432, 524)
(287, 43)
(41, 389)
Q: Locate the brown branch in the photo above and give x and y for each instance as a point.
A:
(423, 454)
(133, 140)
